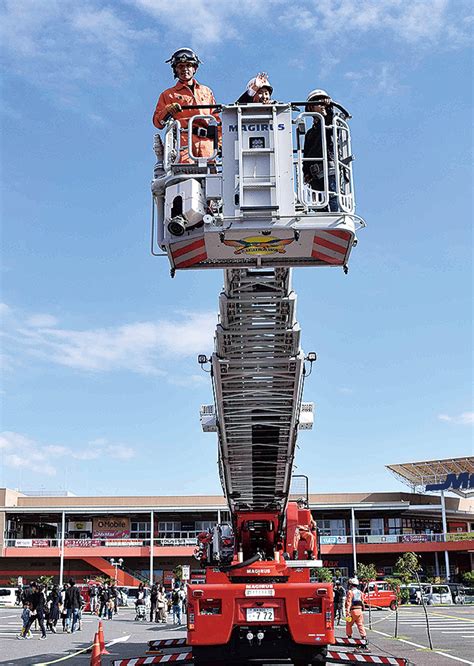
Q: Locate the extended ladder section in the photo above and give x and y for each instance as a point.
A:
(258, 370)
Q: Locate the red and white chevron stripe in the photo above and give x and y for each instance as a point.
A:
(342, 657)
(331, 246)
(178, 657)
(168, 642)
(349, 641)
(188, 252)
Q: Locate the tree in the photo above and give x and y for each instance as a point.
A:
(406, 567)
(47, 581)
(178, 572)
(323, 574)
(366, 572)
(468, 578)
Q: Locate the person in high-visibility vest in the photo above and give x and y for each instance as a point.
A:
(188, 92)
(355, 609)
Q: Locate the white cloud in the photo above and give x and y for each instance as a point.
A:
(141, 347)
(22, 452)
(465, 418)
(419, 22)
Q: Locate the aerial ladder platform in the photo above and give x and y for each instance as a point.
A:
(250, 210)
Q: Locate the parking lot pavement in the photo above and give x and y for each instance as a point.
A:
(452, 632)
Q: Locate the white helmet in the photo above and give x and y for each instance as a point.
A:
(258, 82)
(353, 581)
(317, 94)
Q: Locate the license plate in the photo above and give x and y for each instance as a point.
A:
(260, 615)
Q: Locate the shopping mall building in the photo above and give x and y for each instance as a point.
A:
(66, 535)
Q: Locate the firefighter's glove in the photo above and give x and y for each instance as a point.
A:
(173, 109)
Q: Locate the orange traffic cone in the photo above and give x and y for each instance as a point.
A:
(95, 656)
(100, 634)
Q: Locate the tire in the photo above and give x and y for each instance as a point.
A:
(393, 605)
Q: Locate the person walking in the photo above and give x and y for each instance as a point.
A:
(104, 597)
(355, 610)
(54, 602)
(339, 594)
(177, 604)
(37, 602)
(25, 617)
(114, 597)
(93, 598)
(73, 604)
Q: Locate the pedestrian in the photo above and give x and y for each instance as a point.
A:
(162, 605)
(25, 617)
(177, 604)
(54, 612)
(339, 594)
(355, 610)
(114, 596)
(73, 604)
(153, 602)
(104, 597)
(37, 602)
(93, 598)
(63, 608)
(188, 92)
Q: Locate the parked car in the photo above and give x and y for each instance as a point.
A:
(379, 594)
(437, 594)
(469, 595)
(7, 596)
(132, 594)
(457, 592)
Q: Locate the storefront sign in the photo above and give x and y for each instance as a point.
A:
(80, 526)
(331, 540)
(40, 543)
(81, 543)
(124, 542)
(382, 538)
(464, 481)
(415, 538)
(111, 527)
(460, 536)
(186, 572)
(23, 543)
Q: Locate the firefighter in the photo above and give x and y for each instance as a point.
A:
(355, 609)
(186, 92)
(258, 90)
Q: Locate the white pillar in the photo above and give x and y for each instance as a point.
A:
(61, 549)
(152, 545)
(436, 558)
(353, 533)
(218, 516)
(445, 531)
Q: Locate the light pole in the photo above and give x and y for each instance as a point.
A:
(116, 564)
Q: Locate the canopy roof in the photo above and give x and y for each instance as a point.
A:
(417, 475)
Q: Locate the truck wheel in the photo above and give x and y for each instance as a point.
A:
(393, 605)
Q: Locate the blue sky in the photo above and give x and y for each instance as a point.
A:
(101, 389)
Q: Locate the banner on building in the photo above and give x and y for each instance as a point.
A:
(81, 543)
(79, 526)
(460, 536)
(415, 538)
(331, 540)
(111, 527)
(186, 571)
(124, 542)
(382, 538)
(40, 543)
(23, 543)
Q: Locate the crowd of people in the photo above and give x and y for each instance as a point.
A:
(46, 607)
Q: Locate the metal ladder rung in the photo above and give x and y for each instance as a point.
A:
(256, 186)
(252, 151)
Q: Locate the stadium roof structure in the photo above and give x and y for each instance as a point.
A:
(418, 475)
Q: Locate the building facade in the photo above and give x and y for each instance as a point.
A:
(75, 536)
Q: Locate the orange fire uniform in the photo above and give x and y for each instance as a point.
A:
(354, 610)
(183, 95)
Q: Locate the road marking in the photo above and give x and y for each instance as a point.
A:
(68, 656)
(455, 617)
(423, 647)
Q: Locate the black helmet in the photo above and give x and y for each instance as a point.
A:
(183, 55)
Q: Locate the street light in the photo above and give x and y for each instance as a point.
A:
(116, 564)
